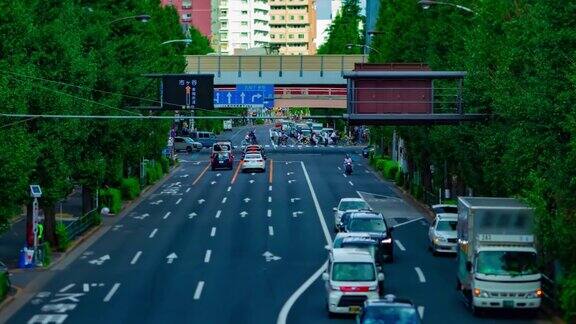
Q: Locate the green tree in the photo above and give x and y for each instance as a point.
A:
(345, 30)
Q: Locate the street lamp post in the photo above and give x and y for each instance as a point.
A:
(186, 41)
(349, 46)
(141, 18)
(427, 3)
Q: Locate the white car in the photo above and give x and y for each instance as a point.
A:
(442, 234)
(351, 279)
(186, 144)
(253, 161)
(348, 205)
(444, 209)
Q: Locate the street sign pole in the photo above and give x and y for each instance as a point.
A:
(35, 192)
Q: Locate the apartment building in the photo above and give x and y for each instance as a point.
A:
(195, 13)
(293, 26)
(238, 25)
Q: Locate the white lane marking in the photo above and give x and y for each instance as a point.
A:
(271, 230)
(178, 201)
(366, 171)
(213, 232)
(171, 257)
(136, 257)
(198, 291)
(420, 275)
(229, 188)
(224, 199)
(85, 287)
(153, 233)
(207, 256)
(111, 292)
(269, 212)
(350, 182)
(400, 246)
(167, 214)
(218, 214)
(65, 289)
(269, 188)
(421, 311)
(408, 222)
(188, 190)
(50, 318)
(269, 199)
(283, 316)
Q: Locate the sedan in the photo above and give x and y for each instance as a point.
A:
(348, 205)
(253, 161)
(389, 310)
(442, 234)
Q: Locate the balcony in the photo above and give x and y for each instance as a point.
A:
(261, 5)
(261, 27)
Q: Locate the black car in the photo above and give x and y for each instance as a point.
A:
(367, 150)
(222, 160)
(375, 225)
(389, 310)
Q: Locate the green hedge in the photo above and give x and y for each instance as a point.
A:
(165, 163)
(62, 237)
(111, 198)
(568, 298)
(259, 122)
(153, 172)
(130, 188)
(4, 285)
(387, 167)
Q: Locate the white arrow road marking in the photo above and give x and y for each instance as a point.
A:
(111, 292)
(270, 256)
(421, 311)
(157, 202)
(100, 260)
(136, 257)
(198, 291)
(289, 173)
(191, 215)
(167, 215)
(207, 256)
(213, 232)
(296, 213)
(201, 201)
(271, 230)
(142, 217)
(65, 289)
(217, 174)
(290, 181)
(213, 182)
(197, 163)
(350, 182)
(171, 258)
(184, 176)
(420, 274)
(117, 227)
(269, 199)
(269, 212)
(48, 318)
(229, 188)
(224, 199)
(218, 214)
(269, 188)
(400, 246)
(243, 214)
(251, 181)
(153, 233)
(178, 201)
(246, 200)
(294, 199)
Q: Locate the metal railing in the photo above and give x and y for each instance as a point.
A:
(82, 224)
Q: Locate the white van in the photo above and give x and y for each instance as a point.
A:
(351, 279)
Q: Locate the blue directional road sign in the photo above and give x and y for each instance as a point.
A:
(267, 91)
(245, 96)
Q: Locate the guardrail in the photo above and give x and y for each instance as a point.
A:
(82, 224)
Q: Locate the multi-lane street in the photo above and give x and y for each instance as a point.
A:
(230, 247)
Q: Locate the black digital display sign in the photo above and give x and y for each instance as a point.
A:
(188, 91)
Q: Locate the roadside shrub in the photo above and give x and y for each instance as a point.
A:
(62, 237)
(389, 169)
(165, 163)
(568, 298)
(130, 188)
(380, 164)
(111, 198)
(47, 254)
(399, 178)
(153, 172)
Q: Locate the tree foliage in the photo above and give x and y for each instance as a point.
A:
(79, 57)
(344, 30)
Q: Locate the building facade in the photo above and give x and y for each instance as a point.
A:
(240, 25)
(195, 13)
(293, 26)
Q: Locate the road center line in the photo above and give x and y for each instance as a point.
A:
(111, 292)
(213, 232)
(207, 256)
(271, 174)
(224, 200)
(420, 274)
(271, 230)
(136, 257)
(167, 214)
(269, 188)
(153, 233)
(350, 182)
(178, 201)
(198, 291)
(236, 173)
(269, 199)
(269, 212)
(399, 244)
(229, 188)
(218, 214)
(201, 174)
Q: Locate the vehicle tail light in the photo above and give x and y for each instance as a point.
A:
(354, 288)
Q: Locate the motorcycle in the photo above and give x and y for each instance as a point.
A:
(348, 168)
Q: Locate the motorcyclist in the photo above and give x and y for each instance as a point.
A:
(347, 160)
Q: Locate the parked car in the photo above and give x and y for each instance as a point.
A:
(223, 159)
(389, 310)
(348, 204)
(444, 209)
(186, 144)
(374, 224)
(442, 234)
(253, 161)
(206, 138)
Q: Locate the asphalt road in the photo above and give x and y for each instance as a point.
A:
(227, 247)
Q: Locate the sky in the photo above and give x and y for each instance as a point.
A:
(323, 8)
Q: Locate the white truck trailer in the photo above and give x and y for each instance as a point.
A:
(497, 259)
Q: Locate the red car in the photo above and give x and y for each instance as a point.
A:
(222, 160)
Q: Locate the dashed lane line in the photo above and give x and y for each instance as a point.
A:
(153, 233)
(224, 200)
(269, 199)
(167, 215)
(269, 212)
(420, 274)
(207, 256)
(269, 188)
(188, 190)
(218, 214)
(178, 201)
(350, 182)
(399, 244)
(270, 230)
(198, 291)
(111, 292)
(136, 257)
(229, 188)
(213, 232)
(65, 289)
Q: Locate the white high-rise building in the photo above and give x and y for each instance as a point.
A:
(335, 8)
(240, 25)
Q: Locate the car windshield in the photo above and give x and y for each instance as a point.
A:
(390, 314)
(446, 226)
(353, 205)
(508, 263)
(188, 140)
(253, 157)
(367, 225)
(446, 210)
(353, 271)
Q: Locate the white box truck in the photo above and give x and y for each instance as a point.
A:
(227, 124)
(497, 259)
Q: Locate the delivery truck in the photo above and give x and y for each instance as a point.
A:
(497, 258)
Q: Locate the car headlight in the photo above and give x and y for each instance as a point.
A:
(439, 239)
(386, 241)
(535, 294)
(481, 293)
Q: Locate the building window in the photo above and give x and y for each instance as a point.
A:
(291, 36)
(291, 17)
(186, 16)
(301, 17)
(300, 35)
(224, 24)
(186, 4)
(244, 34)
(272, 36)
(244, 12)
(223, 12)
(244, 23)
(281, 17)
(281, 36)
(273, 17)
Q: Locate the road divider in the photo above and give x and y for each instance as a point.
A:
(408, 222)
(271, 172)
(236, 173)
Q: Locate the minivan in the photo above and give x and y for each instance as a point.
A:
(206, 138)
